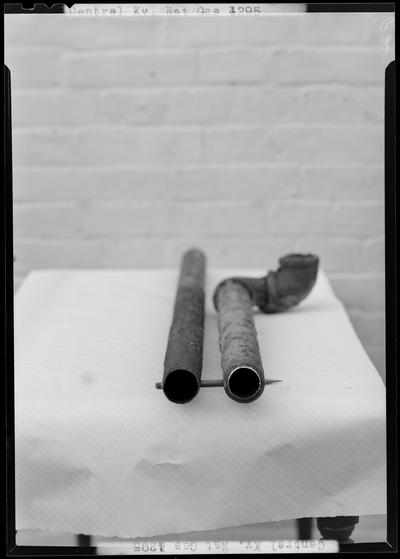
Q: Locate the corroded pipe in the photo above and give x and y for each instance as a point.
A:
(243, 374)
(184, 354)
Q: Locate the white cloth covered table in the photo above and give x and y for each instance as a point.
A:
(100, 451)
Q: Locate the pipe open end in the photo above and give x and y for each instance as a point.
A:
(244, 384)
(180, 386)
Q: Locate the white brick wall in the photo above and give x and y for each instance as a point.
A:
(135, 138)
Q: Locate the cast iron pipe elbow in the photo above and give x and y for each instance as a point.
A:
(281, 289)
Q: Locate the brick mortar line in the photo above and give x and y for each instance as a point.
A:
(223, 162)
(222, 202)
(267, 127)
(333, 276)
(207, 166)
(139, 237)
(200, 87)
(208, 47)
(285, 84)
(217, 88)
(161, 124)
(278, 237)
(22, 201)
(241, 165)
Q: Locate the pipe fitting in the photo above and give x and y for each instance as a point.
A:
(279, 290)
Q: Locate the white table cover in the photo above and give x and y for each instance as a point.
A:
(100, 451)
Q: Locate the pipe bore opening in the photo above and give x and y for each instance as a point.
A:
(181, 386)
(244, 383)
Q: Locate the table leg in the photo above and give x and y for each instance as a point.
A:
(337, 528)
(304, 528)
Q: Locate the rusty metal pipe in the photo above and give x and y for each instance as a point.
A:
(184, 354)
(243, 374)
